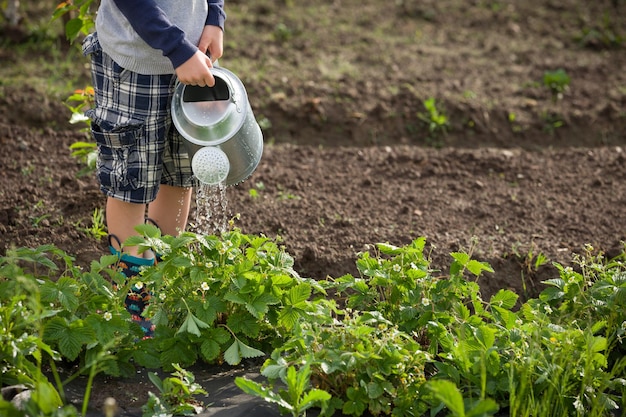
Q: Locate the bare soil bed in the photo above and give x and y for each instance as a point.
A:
(347, 162)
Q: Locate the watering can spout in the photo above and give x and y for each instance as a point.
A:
(210, 165)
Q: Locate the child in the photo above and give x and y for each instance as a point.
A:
(139, 49)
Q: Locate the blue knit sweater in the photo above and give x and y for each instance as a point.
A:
(155, 36)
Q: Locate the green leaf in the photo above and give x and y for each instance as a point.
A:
(477, 268)
(234, 297)
(598, 344)
(296, 383)
(314, 397)
(192, 325)
(46, 397)
(243, 323)
(64, 291)
(504, 299)
(70, 337)
(177, 350)
(486, 336)
(461, 257)
(104, 330)
(551, 293)
(73, 28)
(388, 249)
(256, 389)
(448, 393)
(506, 317)
(208, 309)
(374, 390)
(146, 358)
(298, 294)
(248, 351)
(210, 350)
(231, 355)
(259, 306)
(154, 378)
(239, 350)
(289, 316)
(483, 408)
(555, 282)
(275, 370)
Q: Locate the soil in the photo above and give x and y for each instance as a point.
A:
(348, 162)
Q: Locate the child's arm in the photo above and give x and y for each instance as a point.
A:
(190, 61)
(153, 26)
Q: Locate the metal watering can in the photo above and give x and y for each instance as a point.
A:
(222, 136)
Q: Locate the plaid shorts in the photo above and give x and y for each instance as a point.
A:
(138, 146)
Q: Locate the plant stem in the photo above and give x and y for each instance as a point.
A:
(92, 375)
(57, 380)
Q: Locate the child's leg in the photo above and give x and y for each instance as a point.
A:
(122, 218)
(170, 209)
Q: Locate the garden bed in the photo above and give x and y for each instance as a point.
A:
(521, 176)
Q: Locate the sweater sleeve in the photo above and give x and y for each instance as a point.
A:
(153, 26)
(216, 16)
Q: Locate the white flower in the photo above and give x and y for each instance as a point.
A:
(425, 302)
(396, 268)
(547, 309)
(107, 316)
(413, 266)
(162, 296)
(138, 285)
(204, 286)
(578, 405)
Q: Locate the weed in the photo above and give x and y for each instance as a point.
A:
(435, 119)
(36, 221)
(557, 82)
(283, 194)
(282, 33)
(254, 192)
(601, 36)
(28, 170)
(98, 227)
(176, 394)
(515, 127)
(551, 121)
(297, 398)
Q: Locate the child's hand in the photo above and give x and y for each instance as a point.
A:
(195, 71)
(212, 42)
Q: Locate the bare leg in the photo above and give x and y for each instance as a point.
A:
(170, 210)
(122, 218)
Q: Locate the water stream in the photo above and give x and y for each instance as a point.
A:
(211, 209)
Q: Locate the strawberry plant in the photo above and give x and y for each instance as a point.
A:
(409, 341)
(395, 340)
(75, 317)
(221, 298)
